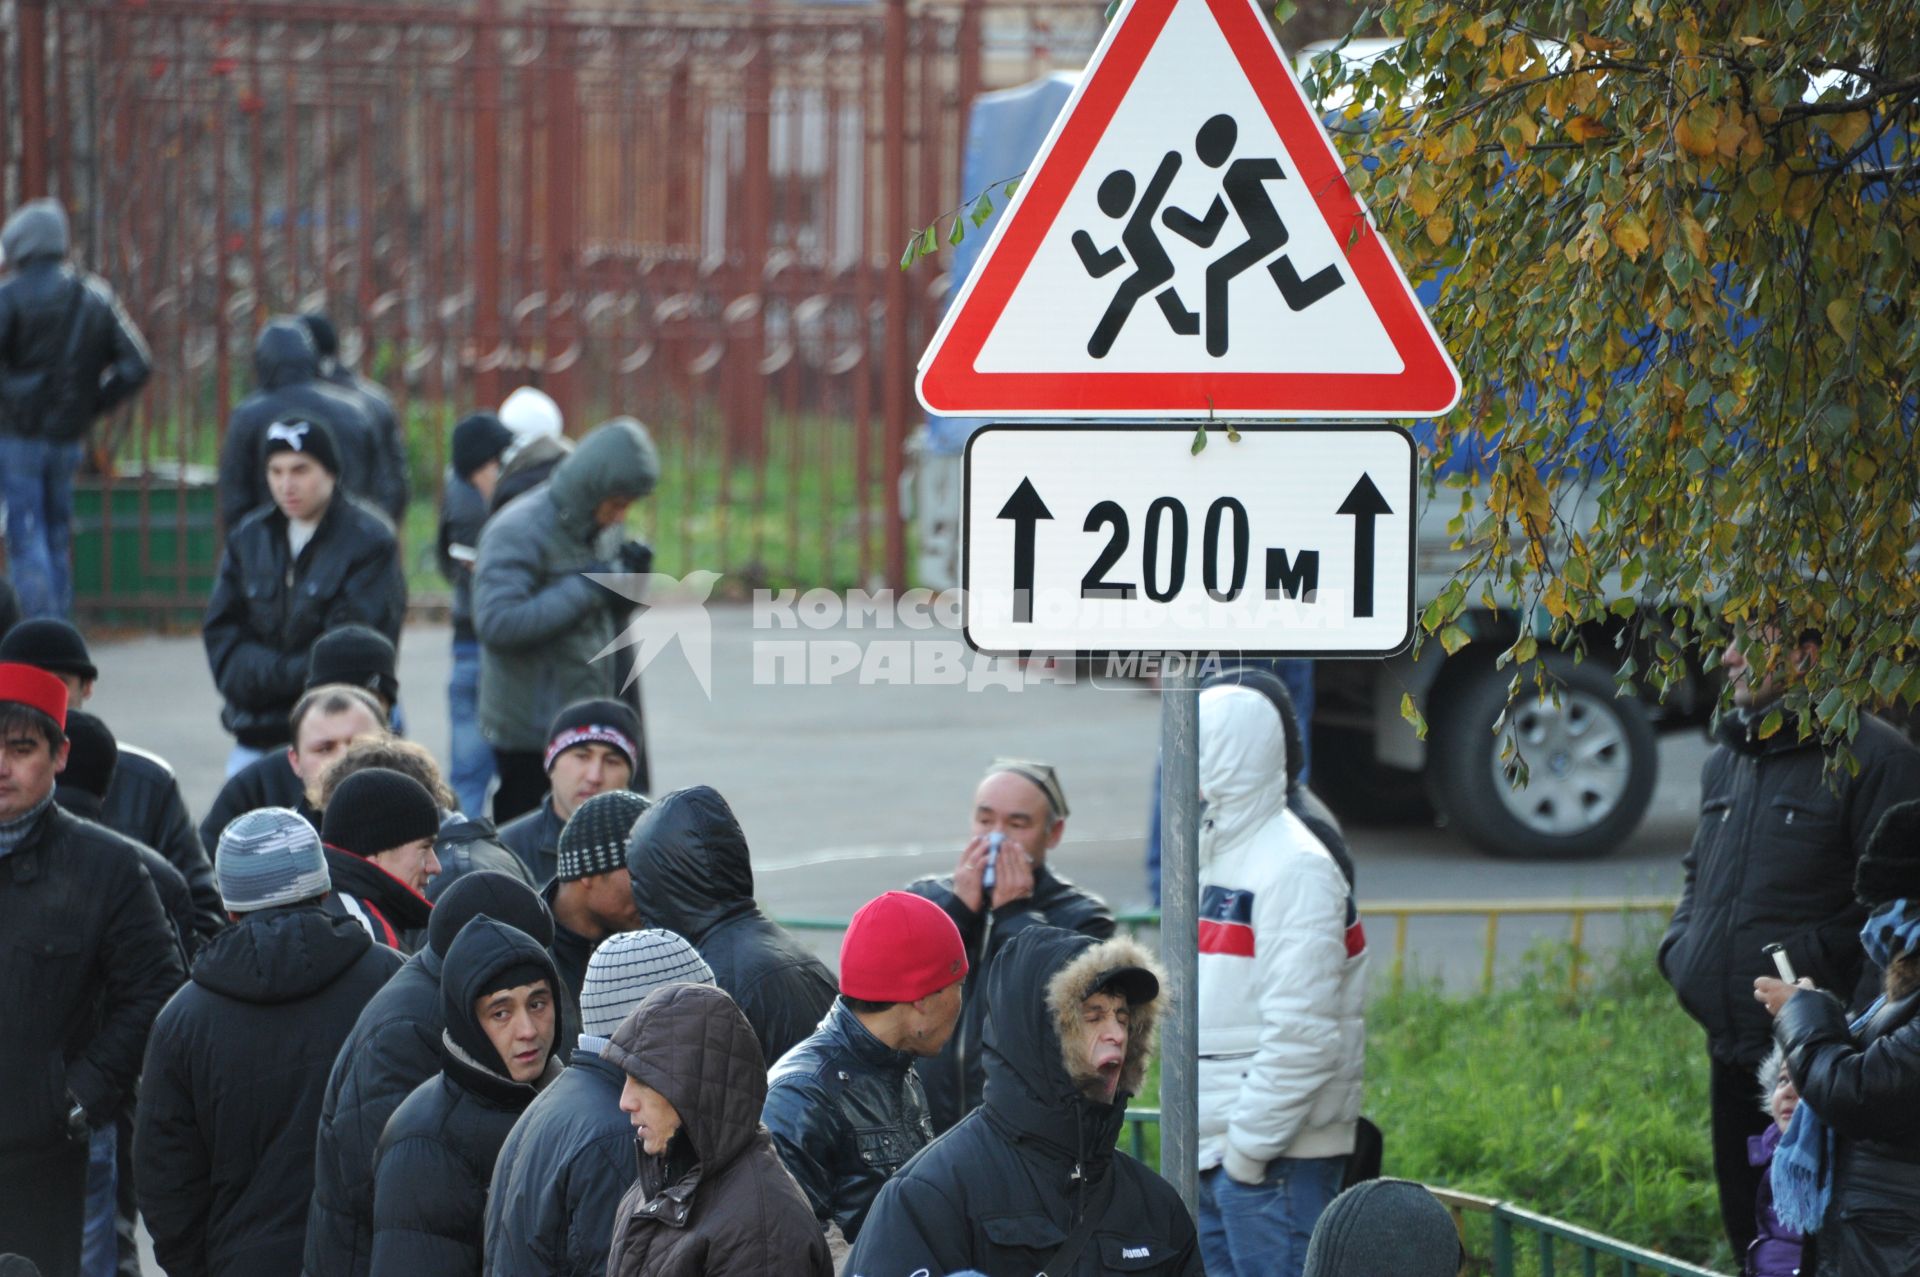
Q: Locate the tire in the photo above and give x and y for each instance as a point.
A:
(1592, 759)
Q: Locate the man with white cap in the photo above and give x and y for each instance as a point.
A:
(845, 1108)
(96, 960)
(224, 1165)
(570, 1156)
(539, 444)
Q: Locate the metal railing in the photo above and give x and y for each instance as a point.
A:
(1518, 1231)
(1577, 912)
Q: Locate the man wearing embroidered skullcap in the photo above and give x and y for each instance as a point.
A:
(224, 1165)
(312, 559)
(592, 747)
(77, 905)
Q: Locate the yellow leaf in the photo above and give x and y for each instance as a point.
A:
(1754, 41)
(1584, 128)
(1439, 229)
(1727, 141)
(1846, 130)
(1840, 315)
(1696, 235)
(1477, 34)
(1699, 130)
(1423, 198)
(1555, 599)
(1630, 235)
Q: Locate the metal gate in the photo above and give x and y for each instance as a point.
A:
(690, 215)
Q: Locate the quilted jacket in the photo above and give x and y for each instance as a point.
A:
(718, 1202)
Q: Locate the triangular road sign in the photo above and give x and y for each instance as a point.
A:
(1185, 245)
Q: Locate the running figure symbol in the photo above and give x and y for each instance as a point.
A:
(1244, 188)
(1152, 268)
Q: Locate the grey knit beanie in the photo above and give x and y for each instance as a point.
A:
(628, 966)
(595, 838)
(269, 856)
(1385, 1228)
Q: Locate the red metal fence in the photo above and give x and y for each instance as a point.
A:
(691, 215)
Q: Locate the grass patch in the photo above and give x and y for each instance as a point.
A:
(1590, 1109)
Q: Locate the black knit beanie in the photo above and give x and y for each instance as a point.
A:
(50, 644)
(595, 722)
(377, 810)
(1889, 869)
(497, 895)
(307, 437)
(1385, 1228)
(358, 656)
(477, 440)
(92, 754)
(594, 840)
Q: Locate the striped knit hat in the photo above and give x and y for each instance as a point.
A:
(269, 856)
(595, 838)
(628, 966)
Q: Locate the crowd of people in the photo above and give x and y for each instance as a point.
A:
(519, 1016)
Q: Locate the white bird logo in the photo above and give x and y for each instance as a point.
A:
(291, 433)
(670, 608)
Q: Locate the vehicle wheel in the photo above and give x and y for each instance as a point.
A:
(1591, 759)
(1360, 789)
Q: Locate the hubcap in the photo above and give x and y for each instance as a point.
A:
(1578, 763)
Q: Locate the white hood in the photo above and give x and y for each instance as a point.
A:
(1243, 765)
(531, 414)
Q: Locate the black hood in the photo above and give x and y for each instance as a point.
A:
(1036, 984)
(284, 355)
(475, 962)
(688, 857)
(275, 956)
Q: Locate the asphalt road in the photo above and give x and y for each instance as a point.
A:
(845, 788)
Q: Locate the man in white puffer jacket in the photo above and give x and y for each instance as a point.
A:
(1283, 963)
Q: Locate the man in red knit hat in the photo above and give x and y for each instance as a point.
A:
(844, 1106)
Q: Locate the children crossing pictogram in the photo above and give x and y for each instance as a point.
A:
(1151, 265)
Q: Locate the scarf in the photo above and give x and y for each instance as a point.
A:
(14, 832)
(1802, 1173)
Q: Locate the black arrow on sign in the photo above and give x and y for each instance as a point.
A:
(1025, 508)
(1365, 504)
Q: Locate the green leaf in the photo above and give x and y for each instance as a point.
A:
(982, 209)
(1010, 188)
(1283, 10)
(1771, 723)
(912, 255)
(958, 233)
(1453, 638)
(929, 241)
(1199, 444)
(1411, 713)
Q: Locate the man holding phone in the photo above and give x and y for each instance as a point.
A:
(1772, 862)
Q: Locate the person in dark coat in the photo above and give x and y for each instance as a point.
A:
(1781, 829)
(238, 1061)
(143, 801)
(1847, 1171)
(379, 830)
(499, 1049)
(286, 369)
(592, 748)
(311, 560)
(712, 1198)
(479, 442)
(845, 1108)
(692, 875)
(390, 486)
(592, 894)
(1066, 1048)
(569, 1158)
(68, 354)
(92, 958)
(347, 656)
(394, 1047)
(1023, 802)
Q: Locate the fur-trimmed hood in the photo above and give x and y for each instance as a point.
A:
(1030, 1092)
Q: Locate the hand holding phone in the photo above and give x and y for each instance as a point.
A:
(1780, 962)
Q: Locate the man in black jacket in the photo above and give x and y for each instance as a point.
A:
(312, 560)
(287, 368)
(1772, 862)
(345, 657)
(68, 353)
(238, 1060)
(1005, 1190)
(592, 894)
(143, 801)
(391, 490)
(569, 1158)
(845, 1108)
(89, 960)
(1023, 803)
(592, 748)
(394, 1046)
(692, 875)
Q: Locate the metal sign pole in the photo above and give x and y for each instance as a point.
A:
(1179, 927)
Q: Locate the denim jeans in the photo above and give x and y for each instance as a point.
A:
(99, 1246)
(36, 480)
(471, 757)
(1262, 1230)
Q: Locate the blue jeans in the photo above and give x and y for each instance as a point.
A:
(36, 480)
(99, 1247)
(1262, 1230)
(471, 757)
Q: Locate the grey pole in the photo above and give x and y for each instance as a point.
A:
(1179, 928)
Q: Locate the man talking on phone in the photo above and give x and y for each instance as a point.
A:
(1772, 862)
(1001, 886)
